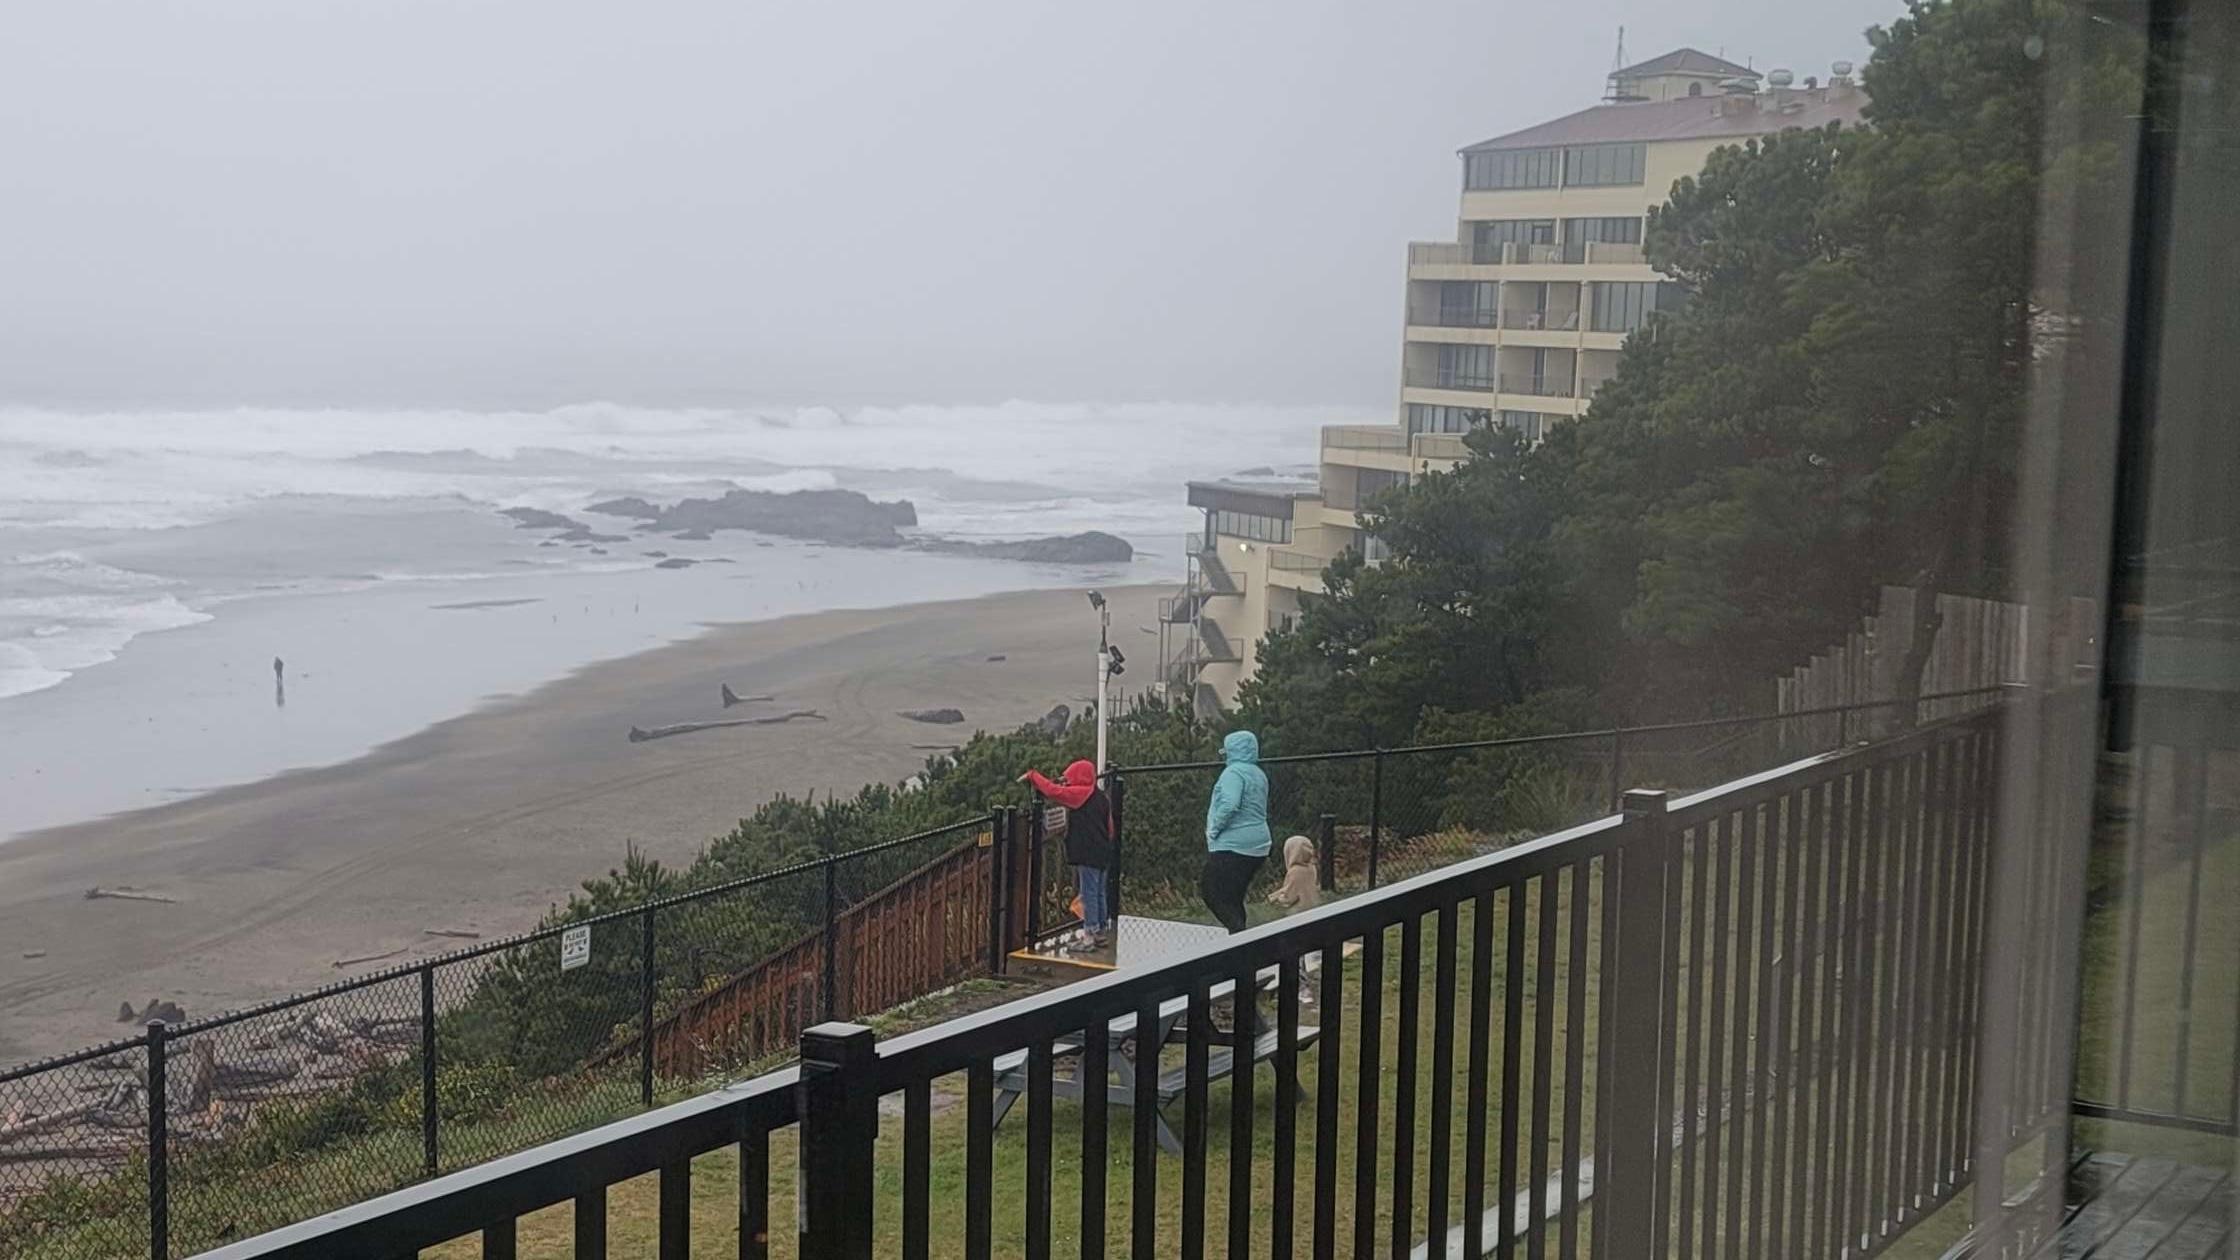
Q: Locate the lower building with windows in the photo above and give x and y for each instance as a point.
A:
(1517, 322)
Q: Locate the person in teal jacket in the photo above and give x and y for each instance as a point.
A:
(1237, 835)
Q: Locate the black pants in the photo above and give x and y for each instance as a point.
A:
(1223, 883)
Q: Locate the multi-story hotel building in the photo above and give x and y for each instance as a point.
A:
(1516, 322)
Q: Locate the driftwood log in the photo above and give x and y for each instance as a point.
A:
(639, 735)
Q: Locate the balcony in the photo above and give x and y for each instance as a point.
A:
(1438, 254)
(1455, 317)
(1447, 447)
(1434, 378)
(1538, 386)
(1541, 321)
(1365, 437)
(1516, 254)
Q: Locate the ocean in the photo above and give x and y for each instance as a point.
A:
(153, 565)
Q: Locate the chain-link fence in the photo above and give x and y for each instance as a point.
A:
(1379, 815)
(281, 1112)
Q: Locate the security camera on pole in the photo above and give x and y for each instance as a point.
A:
(1110, 665)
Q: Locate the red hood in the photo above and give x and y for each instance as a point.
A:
(1080, 773)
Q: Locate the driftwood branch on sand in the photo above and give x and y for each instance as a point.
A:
(639, 734)
(352, 962)
(98, 893)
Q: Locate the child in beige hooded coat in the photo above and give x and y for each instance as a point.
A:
(1301, 889)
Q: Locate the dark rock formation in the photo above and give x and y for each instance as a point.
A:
(1054, 722)
(1093, 547)
(832, 516)
(938, 717)
(676, 562)
(628, 505)
(538, 518)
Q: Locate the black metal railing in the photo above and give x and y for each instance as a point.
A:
(1731, 1023)
(399, 1075)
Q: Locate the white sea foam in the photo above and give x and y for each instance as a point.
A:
(98, 481)
(60, 612)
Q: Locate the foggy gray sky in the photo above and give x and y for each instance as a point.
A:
(531, 202)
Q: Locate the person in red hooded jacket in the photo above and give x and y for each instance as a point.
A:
(1088, 839)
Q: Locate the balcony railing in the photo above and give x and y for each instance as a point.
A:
(1438, 378)
(1541, 321)
(1438, 253)
(1293, 561)
(1607, 252)
(1439, 446)
(1457, 317)
(1365, 437)
(1538, 386)
(1749, 1013)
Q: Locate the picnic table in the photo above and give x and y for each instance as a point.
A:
(1132, 1055)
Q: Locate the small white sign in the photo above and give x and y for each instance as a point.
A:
(575, 947)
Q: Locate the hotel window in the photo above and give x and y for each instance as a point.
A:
(1625, 307)
(1468, 303)
(1604, 165)
(1465, 367)
(1374, 481)
(1439, 418)
(1273, 529)
(1531, 424)
(1579, 233)
(1488, 236)
(1515, 168)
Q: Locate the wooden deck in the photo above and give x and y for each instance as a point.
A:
(2144, 1208)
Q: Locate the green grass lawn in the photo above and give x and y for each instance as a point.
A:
(631, 1207)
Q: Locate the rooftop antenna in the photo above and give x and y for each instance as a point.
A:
(1619, 92)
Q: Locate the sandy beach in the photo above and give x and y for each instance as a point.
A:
(479, 823)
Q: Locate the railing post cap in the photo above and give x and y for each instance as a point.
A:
(1646, 800)
(837, 1044)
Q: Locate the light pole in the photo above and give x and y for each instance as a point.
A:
(1110, 664)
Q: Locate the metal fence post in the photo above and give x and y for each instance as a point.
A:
(831, 937)
(645, 1007)
(1843, 727)
(1639, 1132)
(1327, 876)
(999, 894)
(428, 1069)
(839, 1111)
(1617, 768)
(1376, 813)
(1118, 791)
(1036, 835)
(159, 1148)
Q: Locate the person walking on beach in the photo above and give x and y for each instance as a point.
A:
(1088, 840)
(1237, 836)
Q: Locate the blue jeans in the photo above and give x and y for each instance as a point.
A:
(1090, 879)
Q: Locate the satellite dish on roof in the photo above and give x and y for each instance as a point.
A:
(1780, 78)
(1842, 68)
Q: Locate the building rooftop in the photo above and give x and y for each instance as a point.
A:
(1686, 61)
(1693, 118)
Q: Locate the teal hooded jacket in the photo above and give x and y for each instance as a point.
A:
(1237, 818)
